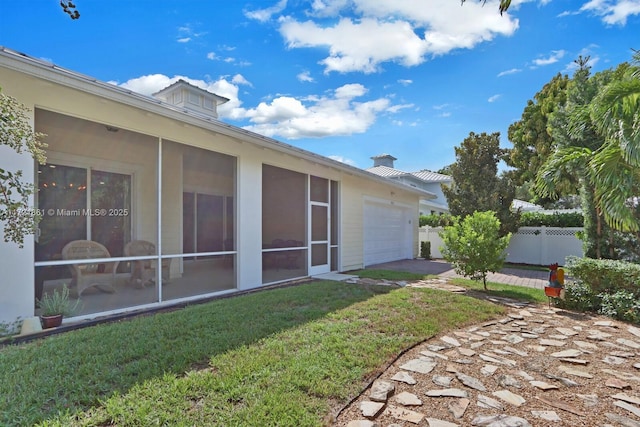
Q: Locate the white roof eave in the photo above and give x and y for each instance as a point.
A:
(50, 72)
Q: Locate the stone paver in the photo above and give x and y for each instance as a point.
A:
(536, 366)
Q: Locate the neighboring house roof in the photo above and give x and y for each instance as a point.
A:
(423, 175)
(427, 175)
(525, 206)
(41, 69)
(386, 171)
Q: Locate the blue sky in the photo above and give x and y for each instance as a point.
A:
(348, 79)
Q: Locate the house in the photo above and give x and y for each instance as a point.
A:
(424, 180)
(151, 201)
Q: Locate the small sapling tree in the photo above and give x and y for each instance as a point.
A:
(473, 245)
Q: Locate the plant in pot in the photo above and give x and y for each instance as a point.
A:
(54, 306)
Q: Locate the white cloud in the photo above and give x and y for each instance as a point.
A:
(212, 56)
(305, 76)
(264, 15)
(554, 57)
(494, 98)
(401, 31)
(342, 159)
(337, 113)
(186, 33)
(239, 79)
(405, 82)
(511, 71)
(612, 12)
(398, 107)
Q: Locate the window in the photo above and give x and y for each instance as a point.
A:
(82, 204)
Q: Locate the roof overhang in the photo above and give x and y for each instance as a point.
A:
(50, 72)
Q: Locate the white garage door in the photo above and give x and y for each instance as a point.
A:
(387, 233)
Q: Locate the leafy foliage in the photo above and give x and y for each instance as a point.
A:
(579, 296)
(425, 250)
(580, 144)
(605, 275)
(556, 219)
(436, 220)
(530, 136)
(473, 245)
(70, 9)
(476, 185)
(58, 302)
(621, 305)
(16, 133)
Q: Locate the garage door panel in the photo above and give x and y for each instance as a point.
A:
(387, 233)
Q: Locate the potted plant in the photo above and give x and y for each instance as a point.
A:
(54, 306)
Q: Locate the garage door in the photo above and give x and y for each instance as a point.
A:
(387, 232)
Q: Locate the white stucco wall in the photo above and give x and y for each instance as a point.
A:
(16, 264)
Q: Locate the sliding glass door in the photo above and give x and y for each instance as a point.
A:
(82, 204)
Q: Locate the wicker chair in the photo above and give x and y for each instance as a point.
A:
(143, 271)
(101, 275)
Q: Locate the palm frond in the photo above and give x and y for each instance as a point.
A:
(616, 183)
(561, 162)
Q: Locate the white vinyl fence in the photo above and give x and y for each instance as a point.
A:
(530, 245)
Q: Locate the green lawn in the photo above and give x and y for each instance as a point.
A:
(278, 357)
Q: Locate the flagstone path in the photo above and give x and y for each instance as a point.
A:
(534, 367)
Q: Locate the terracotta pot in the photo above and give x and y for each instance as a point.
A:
(51, 321)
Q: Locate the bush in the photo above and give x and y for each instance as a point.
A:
(474, 247)
(538, 219)
(621, 305)
(435, 220)
(605, 275)
(578, 296)
(425, 250)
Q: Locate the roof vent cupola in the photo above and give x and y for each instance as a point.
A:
(383, 160)
(185, 95)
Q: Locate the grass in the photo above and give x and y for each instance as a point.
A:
(532, 295)
(278, 357)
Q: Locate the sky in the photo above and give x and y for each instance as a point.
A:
(347, 79)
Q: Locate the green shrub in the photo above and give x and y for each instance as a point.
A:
(436, 220)
(578, 296)
(425, 250)
(621, 305)
(605, 275)
(474, 247)
(538, 219)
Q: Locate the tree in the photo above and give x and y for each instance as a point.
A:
(578, 138)
(70, 9)
(616, 112)
(473, 245)
(476, 185)
(503, 6)
(531, 137)
(18, 218)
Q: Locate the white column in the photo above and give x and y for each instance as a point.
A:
(249, 222)
(17, 291)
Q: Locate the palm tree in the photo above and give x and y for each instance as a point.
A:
(609, 172)
(616, 166)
